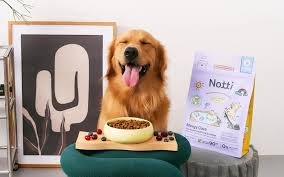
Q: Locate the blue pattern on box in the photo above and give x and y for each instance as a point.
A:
(246, 64)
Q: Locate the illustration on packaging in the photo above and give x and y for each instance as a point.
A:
(206, 117)
(217, 103)
(241, 92)
(230, 115)
(196, 100)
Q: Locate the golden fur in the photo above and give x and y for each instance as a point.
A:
(147, 99)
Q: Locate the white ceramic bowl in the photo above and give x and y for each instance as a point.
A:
(128, 136)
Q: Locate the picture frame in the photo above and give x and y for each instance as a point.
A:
(59, 69)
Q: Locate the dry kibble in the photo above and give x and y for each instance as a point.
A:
(170, 133)
(156, 133)
(103, 138)
(128, 124)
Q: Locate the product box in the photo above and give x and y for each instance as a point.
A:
(220, 103)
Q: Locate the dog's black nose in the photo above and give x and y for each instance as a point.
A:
(130, 53)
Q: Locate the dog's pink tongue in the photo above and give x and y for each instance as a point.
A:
(131, 75)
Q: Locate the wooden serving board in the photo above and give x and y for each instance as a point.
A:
(98, 144)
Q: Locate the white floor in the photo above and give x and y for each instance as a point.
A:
(270, 166)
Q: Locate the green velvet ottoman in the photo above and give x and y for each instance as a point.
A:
(115, 163)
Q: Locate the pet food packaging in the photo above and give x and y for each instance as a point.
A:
(219, 105)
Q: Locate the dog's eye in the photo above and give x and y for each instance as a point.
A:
(123, 42)
(144, 42)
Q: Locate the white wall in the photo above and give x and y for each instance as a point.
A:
(242, 27)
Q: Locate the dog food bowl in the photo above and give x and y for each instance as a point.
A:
(128, 136)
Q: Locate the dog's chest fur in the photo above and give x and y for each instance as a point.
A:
(142, 105)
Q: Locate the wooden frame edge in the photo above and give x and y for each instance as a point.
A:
(11, 23)
(10, 26)
(39, 166)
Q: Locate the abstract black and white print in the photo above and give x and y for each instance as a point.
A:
(61, 89)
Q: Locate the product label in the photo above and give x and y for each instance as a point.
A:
(218, 102)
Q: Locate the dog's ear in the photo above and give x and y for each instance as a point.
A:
(110, 70)
(161, 61)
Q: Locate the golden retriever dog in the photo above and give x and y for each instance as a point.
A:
(136, 80)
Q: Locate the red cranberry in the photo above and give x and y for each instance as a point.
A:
(164, 134)
(94, 137)
(159, 138)
(87, 137)
(99, 131)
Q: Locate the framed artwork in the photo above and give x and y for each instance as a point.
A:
(59, 68)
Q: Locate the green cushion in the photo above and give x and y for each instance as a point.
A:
(114, 163)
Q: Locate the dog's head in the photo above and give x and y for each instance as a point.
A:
(136, 56)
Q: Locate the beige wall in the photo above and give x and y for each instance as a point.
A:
(241, 27)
